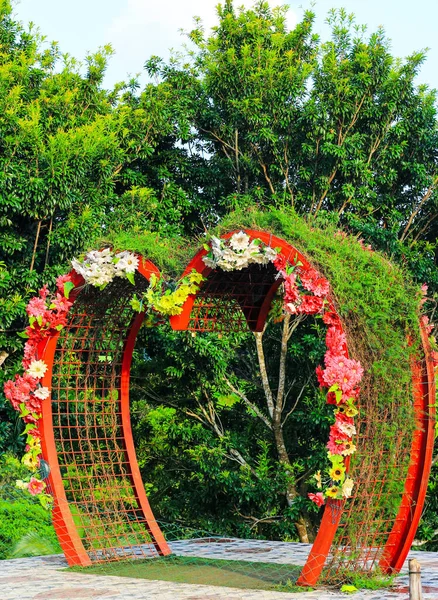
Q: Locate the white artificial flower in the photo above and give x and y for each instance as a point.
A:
(131, 261)
(209, 262)
(291, 308)
(37, 369)
(216, 246)
(347, 429)
(106, 255)
(77, 266)
(225, 265)
(258, 258)
(347, 487)
(239, 241)
(270, 254)
(42, 393)
(241, 262)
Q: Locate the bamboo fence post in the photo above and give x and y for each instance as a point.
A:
(415, 580)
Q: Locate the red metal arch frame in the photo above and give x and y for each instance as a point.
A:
(67, 523)
(406, 522)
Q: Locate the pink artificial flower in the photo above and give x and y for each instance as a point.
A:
(333, 447)
(337, 434)
(346, 373)
(62, 304)
(317, 498)
(62, 279)
(36, 307)
(291, 292)
(310, 305)
(342, 418)
(312, 281)
(31, 419)
(336, 341)
(33, 404)
(35, 486)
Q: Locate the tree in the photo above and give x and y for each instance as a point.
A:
(335, 128)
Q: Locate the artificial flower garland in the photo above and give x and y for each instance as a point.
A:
(48, 315)
(341, 374)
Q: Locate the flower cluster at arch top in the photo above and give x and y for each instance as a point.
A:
(305, 292)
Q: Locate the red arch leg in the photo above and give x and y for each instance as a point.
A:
(412, 504)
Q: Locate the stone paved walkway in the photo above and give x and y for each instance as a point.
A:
(44, 578)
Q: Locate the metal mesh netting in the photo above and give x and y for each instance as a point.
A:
(90, 434)
(234, 300)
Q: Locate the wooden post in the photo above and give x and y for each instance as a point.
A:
(414, 580)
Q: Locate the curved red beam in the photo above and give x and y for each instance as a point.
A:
(63, 520)
(408, 518)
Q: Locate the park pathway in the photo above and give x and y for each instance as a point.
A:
(45, 578)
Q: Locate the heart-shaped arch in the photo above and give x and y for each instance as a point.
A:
(93, 433)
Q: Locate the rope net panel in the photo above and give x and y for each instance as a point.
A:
(88, 426)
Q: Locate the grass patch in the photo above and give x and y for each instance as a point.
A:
(205, 571)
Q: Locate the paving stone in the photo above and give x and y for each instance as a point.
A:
(45, 578)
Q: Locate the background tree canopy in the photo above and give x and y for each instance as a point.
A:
(252, 115)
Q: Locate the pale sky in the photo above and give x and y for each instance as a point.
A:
(139, 28)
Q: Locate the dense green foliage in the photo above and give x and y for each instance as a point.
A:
(21, 515)
(271, 122)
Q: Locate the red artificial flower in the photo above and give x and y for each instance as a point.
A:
(312, 281)
(291, 292)
(332, 318)
(320, 375)
(310, 305)
(331, 398)
(333, 447)
(280, 262)
(317, 498)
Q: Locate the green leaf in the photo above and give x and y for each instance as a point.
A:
(349, 589)
(136, 304)
(130, 278)
(23, 335)
(68, 287)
